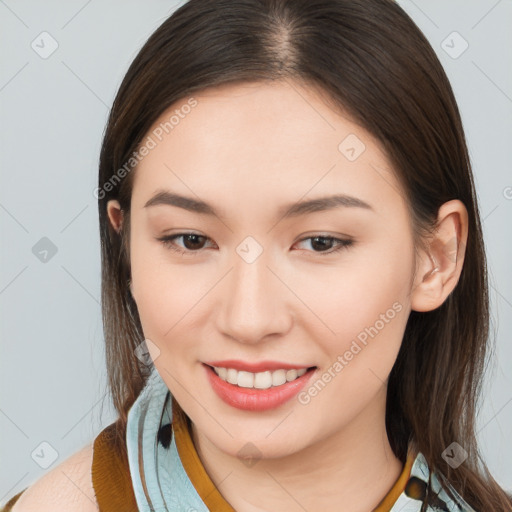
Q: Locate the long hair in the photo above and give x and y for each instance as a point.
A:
(375, 65)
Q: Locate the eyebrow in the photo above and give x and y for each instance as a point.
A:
(165, 197)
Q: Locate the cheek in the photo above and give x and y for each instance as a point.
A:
(366, 309)
(171, 297)
(162, 292)
(367, 288)
(165, 301)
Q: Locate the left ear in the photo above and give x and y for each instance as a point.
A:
(438, 267)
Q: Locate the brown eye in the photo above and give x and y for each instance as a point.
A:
(192, 242)
(323, 244)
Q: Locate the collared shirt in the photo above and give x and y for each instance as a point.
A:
(164, 473)
(171, 476)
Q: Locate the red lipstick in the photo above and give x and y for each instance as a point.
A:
(252, 399)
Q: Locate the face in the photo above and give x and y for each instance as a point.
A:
(255, 282)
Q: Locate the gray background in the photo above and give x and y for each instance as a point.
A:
(53, 112)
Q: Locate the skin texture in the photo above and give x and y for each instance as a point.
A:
(249, 149)
(67, 487)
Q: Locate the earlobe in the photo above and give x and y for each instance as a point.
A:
(115, 214)
(427, 293)
(440, 264)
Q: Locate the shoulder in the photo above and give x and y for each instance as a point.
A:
(68, 487)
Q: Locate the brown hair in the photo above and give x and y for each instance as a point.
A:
(373, 63)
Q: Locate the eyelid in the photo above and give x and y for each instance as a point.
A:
(342, 243)
(167, 241)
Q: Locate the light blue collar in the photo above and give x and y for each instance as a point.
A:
(159, 480)
(161, 484)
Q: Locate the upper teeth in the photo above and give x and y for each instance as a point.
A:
(261, 380)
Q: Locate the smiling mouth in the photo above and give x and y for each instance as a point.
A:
(259, 380)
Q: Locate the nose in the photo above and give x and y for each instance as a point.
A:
(255, 304)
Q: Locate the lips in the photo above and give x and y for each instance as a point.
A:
(255, 367)
(252, 398)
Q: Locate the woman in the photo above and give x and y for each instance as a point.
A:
(294, 283)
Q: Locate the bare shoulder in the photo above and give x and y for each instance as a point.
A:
(68, 487)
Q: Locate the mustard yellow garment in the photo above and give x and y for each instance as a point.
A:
(112, 483)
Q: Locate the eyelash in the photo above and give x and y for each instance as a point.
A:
(167, 242)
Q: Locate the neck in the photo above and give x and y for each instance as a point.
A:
(350, 470)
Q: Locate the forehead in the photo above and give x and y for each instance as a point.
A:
(248, 142)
